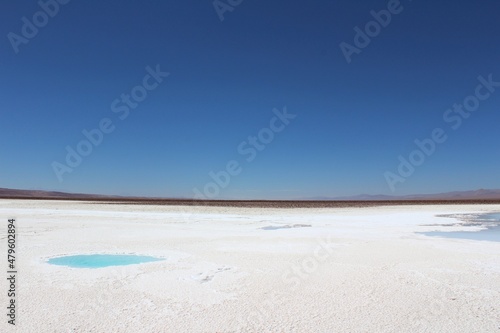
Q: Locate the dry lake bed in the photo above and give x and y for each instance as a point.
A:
(110, 267)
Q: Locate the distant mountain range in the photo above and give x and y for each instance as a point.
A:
(13, 193)
(481, 194)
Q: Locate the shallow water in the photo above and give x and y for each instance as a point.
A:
(100, 260)
(495, 216)
(491, 231)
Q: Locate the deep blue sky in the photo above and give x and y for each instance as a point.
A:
(353, 120)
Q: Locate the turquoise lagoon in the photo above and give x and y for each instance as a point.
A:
(101, 260)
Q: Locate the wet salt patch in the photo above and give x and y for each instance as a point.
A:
(286, 226)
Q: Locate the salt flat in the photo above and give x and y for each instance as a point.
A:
(328, 270)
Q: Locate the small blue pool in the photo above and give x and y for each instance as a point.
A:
(101, 260)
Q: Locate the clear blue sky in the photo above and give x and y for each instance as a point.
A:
(353, 120)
